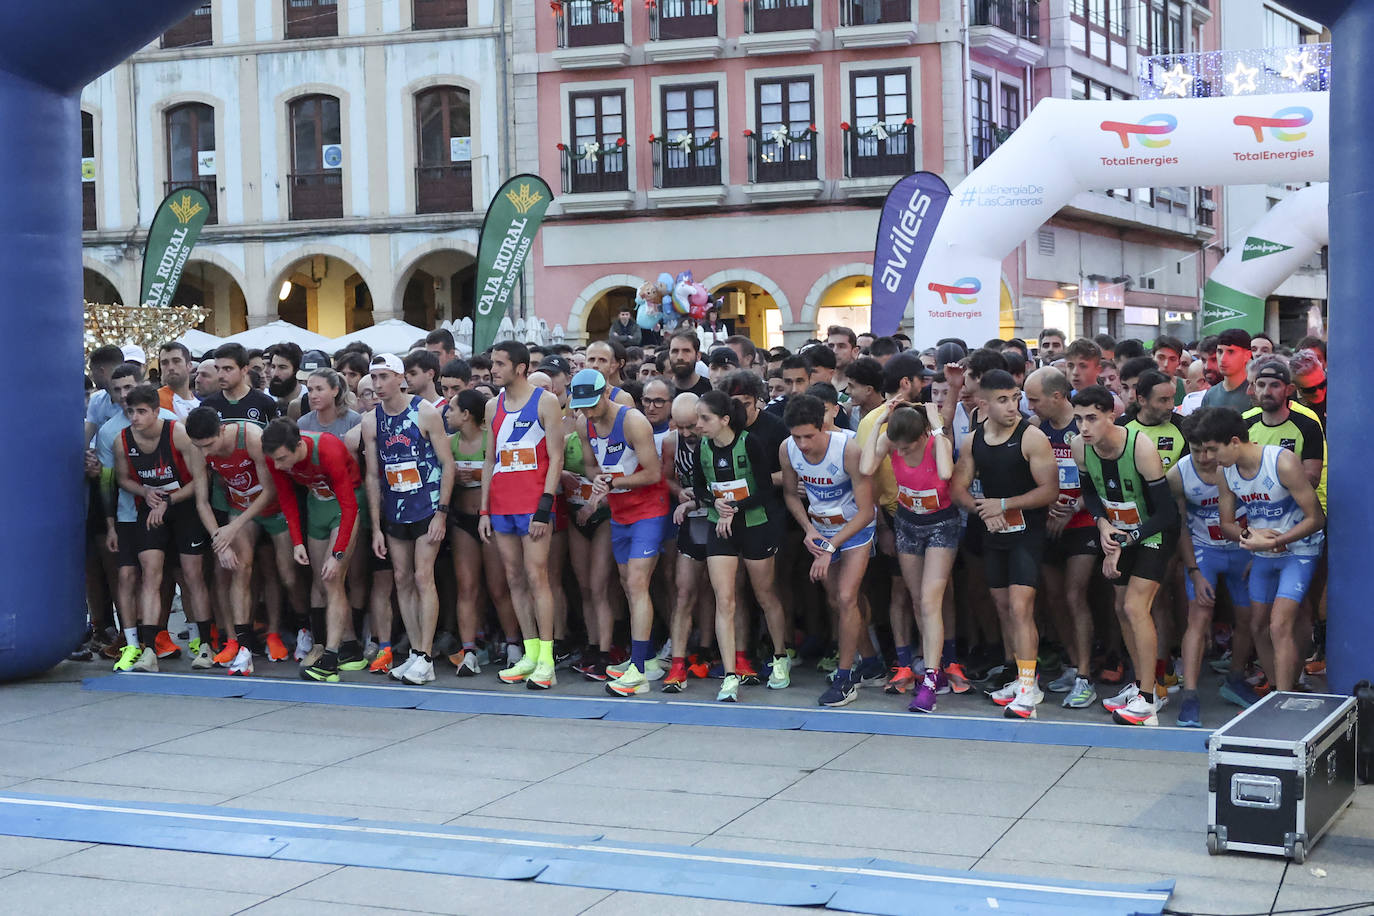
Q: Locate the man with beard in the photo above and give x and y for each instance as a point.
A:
(283, 362)
(1309, 375)
(237, 400)
(174, 361)
(684, 352)
(206, 378)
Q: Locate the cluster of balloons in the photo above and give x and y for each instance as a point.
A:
(668, 298)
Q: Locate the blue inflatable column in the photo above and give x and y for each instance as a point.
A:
(1350, 411)
(48, 51)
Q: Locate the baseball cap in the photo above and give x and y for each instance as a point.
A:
(312, 360)
(723, 356)
(904, 365)
(555, 363)
(133, 353)
(389, 361)
(948, 352)
(587, 387)
(1275, 369)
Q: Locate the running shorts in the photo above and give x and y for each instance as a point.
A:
(1073, 542)
(638, 540)
(407, 531)
(758, 542)
(465, 521)
(322, 516)
(1281, 577)
(915, 533)
(1146, 561)
(181, 531)
(1014, 559)
(518, 525)
(694, 536)
(1218, 563)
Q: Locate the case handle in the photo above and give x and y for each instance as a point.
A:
(1254, 790)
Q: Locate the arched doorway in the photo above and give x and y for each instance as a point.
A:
(441, 287)
(209, 286)
(95, 288)
(847, 302)
(324, 294)
(751, 310)
(604, 309)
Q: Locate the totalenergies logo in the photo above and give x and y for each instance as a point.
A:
(1281, 125)
(965, 291)
(1147, 131)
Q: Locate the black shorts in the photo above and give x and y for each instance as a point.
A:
(1073, 542)
(465, 521)
(407, 531)
(127, 532)
(589, 528)
(975, 535)
(1143, 561)
(181, 531)
(757, 542)
(694, 537)
(1014, 559)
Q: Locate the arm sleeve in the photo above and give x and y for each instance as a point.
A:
(290, 506)
(1163, 509)
(1091, 501)
(334, 461)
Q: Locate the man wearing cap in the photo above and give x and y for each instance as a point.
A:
(283, 383)
(133, 353)
(1279, 420)
(627, 472)
(721, 361)
(1233, 357)
(608, 358)
(410, 476)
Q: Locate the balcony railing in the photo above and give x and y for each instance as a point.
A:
(874, 12)
(683, 19)
(87, 205)
(774, 159)
(778, 15)
(312, 18)
(316, 194)
(605, 170)
(440, 14)
(871, 152)
(1019, 17)
(585, 23)
(443, 188)
(207, 186)
(193, 31)
(688, 165)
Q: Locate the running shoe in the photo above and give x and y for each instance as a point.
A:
(419, 672)
(748, 676)
(1235, 690)
(320, 673)
(147, 660)
(115, 649)
(1008, 694)
(541, 676)
(1222, 664)
(1316, 666)
(276, 649)
(632, 682)
(127, 656)
(1122, 699)
(563, 655)
(314, 655)
(676, 679)
(699, 670)
(227, 655)
(924, 700)
(354, 661)
(941, 681)
(1113, 671)
(381, 662)
(467, 663)
(871, 675)
(902, 680)
(840, 693)
(1065, 682)
(729, 689)
(957, 678)
(399, 671)
(653, 671)
(780, 678)
(665, 652)
(164, 646)
(1139, 711)
(304, 643)
(1048, 658)
(1081, 696)
(829, 662)
(594, 670)
(1005, 678)
(1022, 705)
(242, 663)
(1190, 713)
(1170, 682)
(203, 657)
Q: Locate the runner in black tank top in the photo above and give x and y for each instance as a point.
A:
(1015, 463)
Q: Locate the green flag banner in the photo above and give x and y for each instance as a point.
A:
(508, 231)
(1224, 307)
(176, 226)
(1258, 248)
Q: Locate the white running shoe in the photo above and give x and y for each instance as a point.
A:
(418, 671)
(304, 643)
(781, 675)
(1122, 699)
(729, 689)
(1023, 706)
(469, 667)
(666, 653)
(1004, 695)
(399, 671)
(1139, 711)
(1081, 696)
(147, 661)
(631, 683)
(243, 662)
(653, 671)
(205, 656)
(1066, 682)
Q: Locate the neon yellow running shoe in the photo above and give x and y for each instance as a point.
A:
(127, 656)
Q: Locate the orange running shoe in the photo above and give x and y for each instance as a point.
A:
(165, 647)
(276, 649)
(676, 679)
(958, 679)
(744, 667)
(381, 663)
(902, 680)
(226, 655)
(1316, 666)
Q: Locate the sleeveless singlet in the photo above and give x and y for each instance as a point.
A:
(239, 473)
(410, 470)
(1069, 487)
(684, 461)
(1005, 472)
(1204, 509)
(1269, 504)
(730, 476)
(920, 491)
(162, 468)
(829, 488)
(469, 461)
(1121, 488)
(618, 458)
(522, 457)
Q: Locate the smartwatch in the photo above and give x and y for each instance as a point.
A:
(338, 555)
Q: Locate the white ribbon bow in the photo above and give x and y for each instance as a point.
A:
(781, 136)
(591, 149)
(685, 143)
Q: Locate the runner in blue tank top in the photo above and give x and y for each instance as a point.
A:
(410, 475)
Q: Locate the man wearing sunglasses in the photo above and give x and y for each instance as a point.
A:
(1309, 377)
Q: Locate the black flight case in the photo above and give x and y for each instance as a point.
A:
(1279, 773)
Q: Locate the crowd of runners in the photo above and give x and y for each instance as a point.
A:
(915, 521)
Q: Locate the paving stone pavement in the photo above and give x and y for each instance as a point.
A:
(1026, 809)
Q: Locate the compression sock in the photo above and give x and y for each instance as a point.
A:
(243, 634)
(146, 635)
(1025, 674)
(640, 650)
(532, 649)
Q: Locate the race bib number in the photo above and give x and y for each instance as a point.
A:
(1016, 521)
(517, 458)
(617, 475)
(1068, 474)
(403, 477)
(170, 487)
(240, 499)
(582, 494)
(1214, 532)
(469, 473)
(733, 490)
(975, 489)
(827, 521)
(1125, 516)
(320, 490)
(919, 502)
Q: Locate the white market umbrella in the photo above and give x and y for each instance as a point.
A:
(277, 331)
(391, 336)
(200, 343)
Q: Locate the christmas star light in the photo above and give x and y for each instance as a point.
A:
(1176, 82)
(1297, 66)
(1242, 79)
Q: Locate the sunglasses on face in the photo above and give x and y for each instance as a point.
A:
(1320, 386)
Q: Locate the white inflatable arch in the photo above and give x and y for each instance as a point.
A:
(1277, 245)
(1067, 147)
